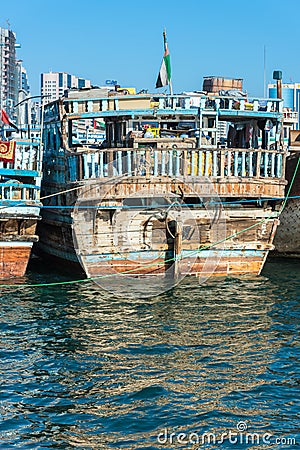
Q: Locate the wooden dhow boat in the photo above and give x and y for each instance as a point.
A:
(144, 202)
(20, 182)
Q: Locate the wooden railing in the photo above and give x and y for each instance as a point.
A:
(12, 191)
(173, 102)
(26, 157)
(177, 163)
(290, 116)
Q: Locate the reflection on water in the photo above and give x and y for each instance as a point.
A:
(80, 368)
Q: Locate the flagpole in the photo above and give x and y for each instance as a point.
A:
(164, 75)
(165, 48)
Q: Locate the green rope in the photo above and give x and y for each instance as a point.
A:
(84, 280)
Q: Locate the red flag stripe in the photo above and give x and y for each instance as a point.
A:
(4, 117)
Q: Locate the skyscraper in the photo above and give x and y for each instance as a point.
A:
(8, 72)
(54, 84)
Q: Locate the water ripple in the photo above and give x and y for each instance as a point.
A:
(80, 368)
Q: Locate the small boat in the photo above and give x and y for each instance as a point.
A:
(165, 194)
(20, 181)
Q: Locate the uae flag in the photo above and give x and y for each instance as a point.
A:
(5, 119)
(164, 76)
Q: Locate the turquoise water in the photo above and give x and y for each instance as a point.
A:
(82, 369)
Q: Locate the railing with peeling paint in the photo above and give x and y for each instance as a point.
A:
(27, 157)
(107, 105)
(14, 192)
(221, 163)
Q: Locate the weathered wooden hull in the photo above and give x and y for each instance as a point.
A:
(287, 238)
(243, 252)
(14, 259)
(234, 259)
(229, 264)
(17, 235)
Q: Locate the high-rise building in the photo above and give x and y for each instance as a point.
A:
(14, 85)
(22, 77)
(23, 110)
(9, 85)
(54, 84)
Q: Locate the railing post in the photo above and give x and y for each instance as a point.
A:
(236, 164)
(155, 163)
(200, 163)
(104, 105)
(135, 159)
(185, 163)
(170, 162)
(120, 168)
(273, 165)
(207, 155)
(215, 163)
(85, 166)
(251, 164)
(101, 172)
(193, 163)
(229, 163)
(163, 162)
(148, 162)
(279, 166)
(222, 163)
(177, 164)
(258, 162)
(93, 174)
(129, 169)
(243, 164)
(110, 167)
(266, 162)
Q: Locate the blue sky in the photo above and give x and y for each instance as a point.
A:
(122, 40)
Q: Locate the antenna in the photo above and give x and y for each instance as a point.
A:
(265, 77)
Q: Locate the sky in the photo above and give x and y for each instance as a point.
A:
(122, 40)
